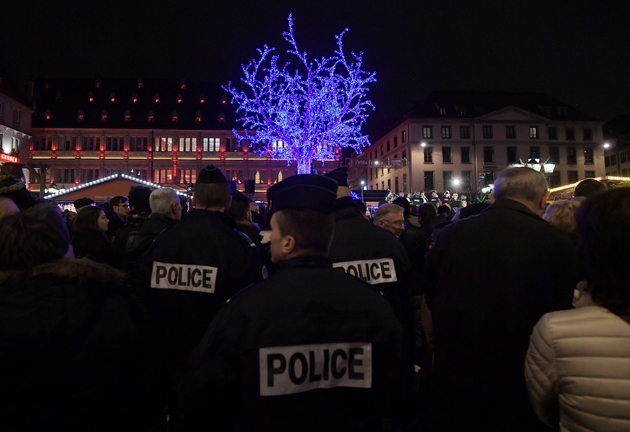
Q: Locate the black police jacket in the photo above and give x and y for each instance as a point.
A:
(373, 254)
(309, 349)
(193, 268)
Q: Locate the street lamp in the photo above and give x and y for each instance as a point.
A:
(362, 187)
(533, 162)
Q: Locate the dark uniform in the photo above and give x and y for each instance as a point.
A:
(373, 254)
(196, 266)
(309, 349)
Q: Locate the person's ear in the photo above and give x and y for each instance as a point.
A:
(287, 244)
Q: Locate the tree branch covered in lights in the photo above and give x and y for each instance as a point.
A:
(305, 113)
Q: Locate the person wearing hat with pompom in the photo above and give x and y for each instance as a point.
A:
(311, 348)
(194, 267)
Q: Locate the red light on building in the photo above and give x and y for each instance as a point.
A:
(101, 156)
(113, 99)
(91, 99)
(47, 116)
(222, 156)
(202, 101)
(134, 100)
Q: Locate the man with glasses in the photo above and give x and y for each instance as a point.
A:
(117, 215)
(391, 217)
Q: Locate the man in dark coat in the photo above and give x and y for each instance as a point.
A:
(117, 215)
(311, 348)
(489, 279)
(195, 267)
(369, 252)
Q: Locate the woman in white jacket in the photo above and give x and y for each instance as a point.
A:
(578, 363)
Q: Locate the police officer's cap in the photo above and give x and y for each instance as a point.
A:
(303, 191)
(340, 175)
(211, 174)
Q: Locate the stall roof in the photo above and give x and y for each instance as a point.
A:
(100, 190)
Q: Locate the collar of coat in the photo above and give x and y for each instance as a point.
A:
(508, 204)
(83, 270)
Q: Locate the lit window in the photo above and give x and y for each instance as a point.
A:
(134, 98)
(198, 116)
(127, 115)
(91, 97)
(180, 98)
(533, 132)
(104, 115)
(150, 116)
(221, 117)
(48, 114)
(202, 98)
(174, 116)
(140, 84)
(112, 97)
(81, 115)
(156, 98)
(182, 84)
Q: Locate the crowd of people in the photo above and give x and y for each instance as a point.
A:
(143, 315)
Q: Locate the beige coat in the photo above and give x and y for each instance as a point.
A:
(578, 370)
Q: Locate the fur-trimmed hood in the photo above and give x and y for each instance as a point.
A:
(82, 270)
(8, 184)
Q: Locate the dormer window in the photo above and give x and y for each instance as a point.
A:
(90, 97)
(104, 115)
(127, 116)
(221, 117)
(48, 114)
(182, 84)
(223, 100)
(112, 97)
(174, 116)
(46, 85)
(134, 97)
(156, 98)
(81, 115)
(97, 83)
(198, 117)
(150, 116)
(140, 83)
(180, 98)
(202, 98)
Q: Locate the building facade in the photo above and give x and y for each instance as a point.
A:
(617, 155)
(161, 131)
(460, 141)
(15, 122)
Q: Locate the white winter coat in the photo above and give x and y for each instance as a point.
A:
(578, 367)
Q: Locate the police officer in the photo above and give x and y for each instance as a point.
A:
(195, 266)
(368, 252)
(311, 348)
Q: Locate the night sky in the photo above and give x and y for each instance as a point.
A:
(577, 51)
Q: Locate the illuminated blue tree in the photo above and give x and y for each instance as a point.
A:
(304, 114)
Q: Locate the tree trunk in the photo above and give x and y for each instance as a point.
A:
(304, 166)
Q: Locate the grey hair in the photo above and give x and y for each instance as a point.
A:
(161, 200)
(520, 183)
(386, 209)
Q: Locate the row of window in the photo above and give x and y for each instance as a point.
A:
(510, 132)
(16, 115)
(624, 156)
(463, 181)
(512, 155)
(114, 143)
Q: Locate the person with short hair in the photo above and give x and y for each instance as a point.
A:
(358, 240)
(511, 268)
(587, 188)
(561, 213)
(193, 267)
(117, 215)
(166, 211)
(139, 210)
(311, 348)
(390, 217)
(578, 364)
(69, 357)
